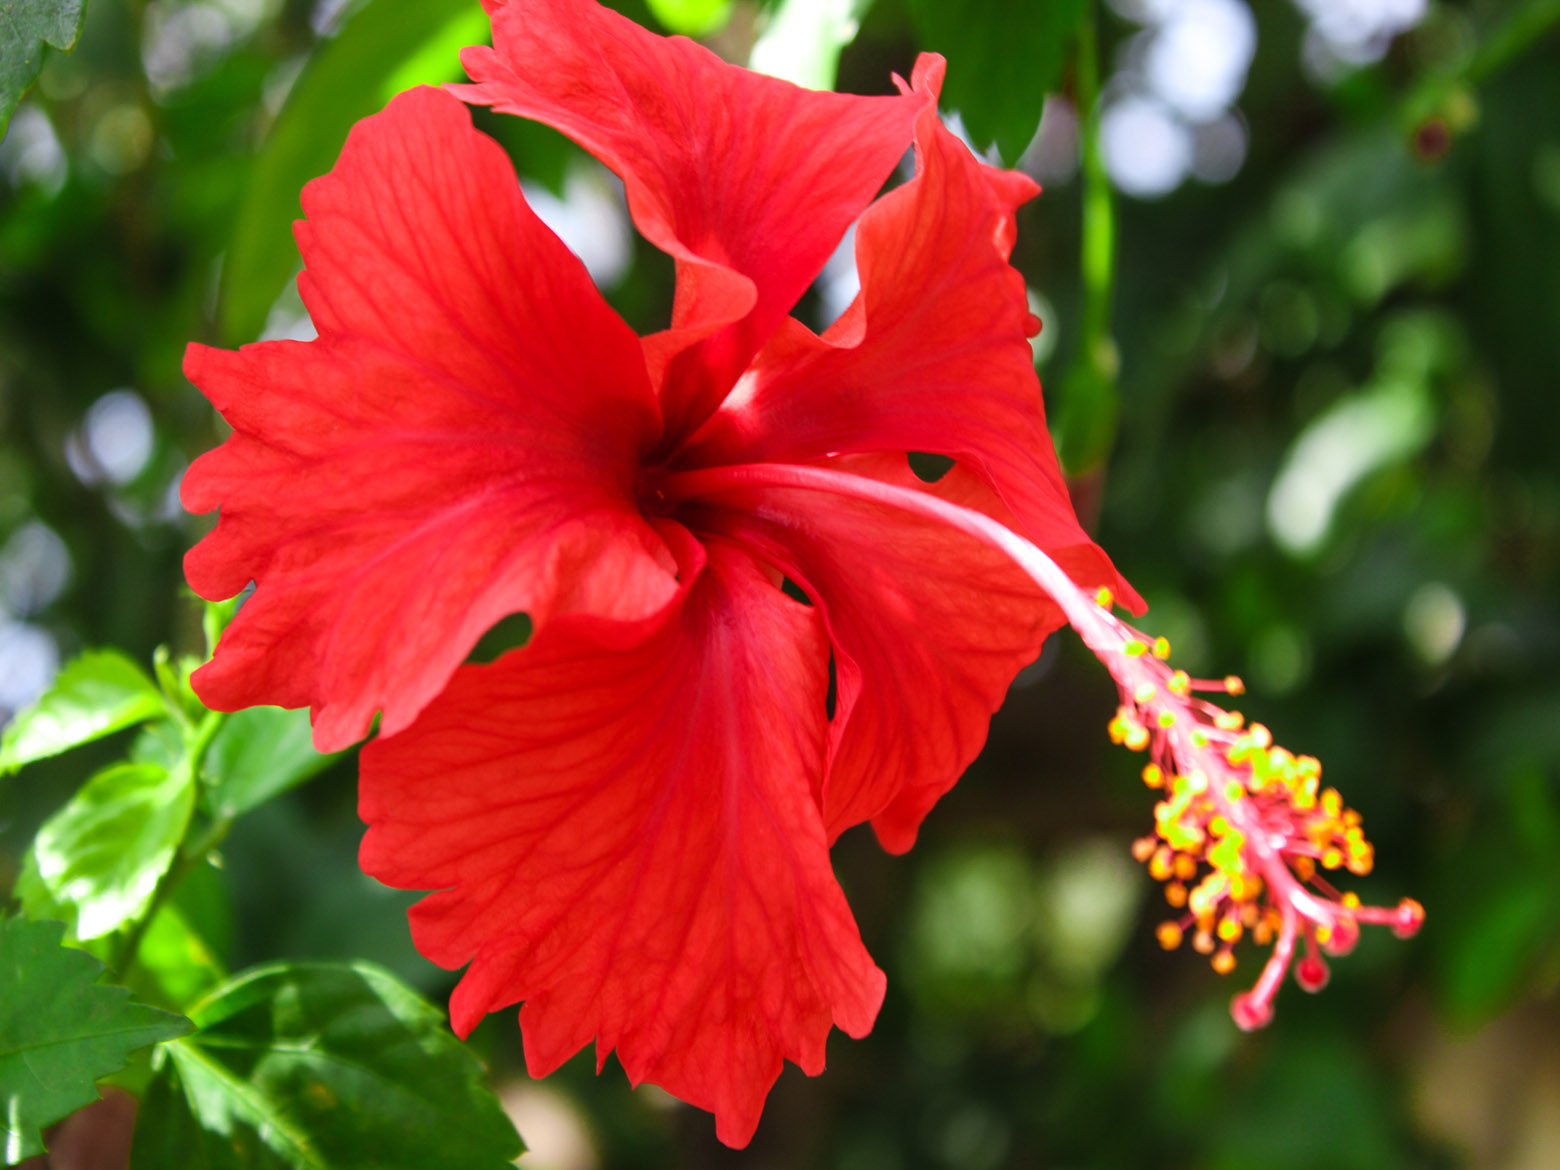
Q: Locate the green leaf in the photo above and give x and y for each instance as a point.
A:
(1485, 963)
(59, 1031)
(103, 853)
(97, 694)
(260, 753)
(386, 43)
(1004, 56)
(177, 958)
(25, 27)
(319, 1065)
(693, 18)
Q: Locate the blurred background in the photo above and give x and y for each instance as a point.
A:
(1299, 264)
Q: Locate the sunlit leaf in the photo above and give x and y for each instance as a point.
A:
(100, 692)
(318, 1065)
(25, 27)
(1004, 56)
(59, 1031)
(102, 854)
(692, 18)
(399, 42)
(260, 753)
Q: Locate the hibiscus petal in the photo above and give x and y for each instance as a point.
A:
(628, 842)
(928, 627)
(460, 443)
(932, 356)
(747, 181)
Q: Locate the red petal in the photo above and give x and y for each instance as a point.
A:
(928, 625)
(749, 182)
(459, 444)
(628, 842)
(932, 356)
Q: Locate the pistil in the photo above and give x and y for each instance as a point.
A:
(1244, 832)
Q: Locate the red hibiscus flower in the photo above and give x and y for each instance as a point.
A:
(627, 821)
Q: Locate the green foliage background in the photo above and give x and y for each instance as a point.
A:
(1388, 256)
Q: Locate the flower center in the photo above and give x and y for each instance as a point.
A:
(650, 491)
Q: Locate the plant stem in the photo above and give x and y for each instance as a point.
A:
(191, 851)
(1086, 423)
(190, 854)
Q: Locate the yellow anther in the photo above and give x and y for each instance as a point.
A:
(1175, 894)
(1305, 868)
(1180, 684)
(1262, 933)
(1332, 858)
(1324, 934)
(1350, 901)
(1143, 848)
(1153, 775)
(1230, 929)
(1233, 685)
(1166, 719)
(1137, 737)
(1229, 720)
(1135, 648)
(1218, 826)
(1226, 855)
(1145, 693)
(1234, 792)
(1160, 867)
(1260, 736)
(1223, 962)
(1104, 598)
(1185, 866)
(1204, 898)
(1202, 942)
(1186, 837)
(1161, 648)
(1169, 935)
(1199, 738)
(1332, 803)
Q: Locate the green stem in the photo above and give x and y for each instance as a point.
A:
(1086, 422)
(190, 854)
(1098, 253)
(194, 846)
